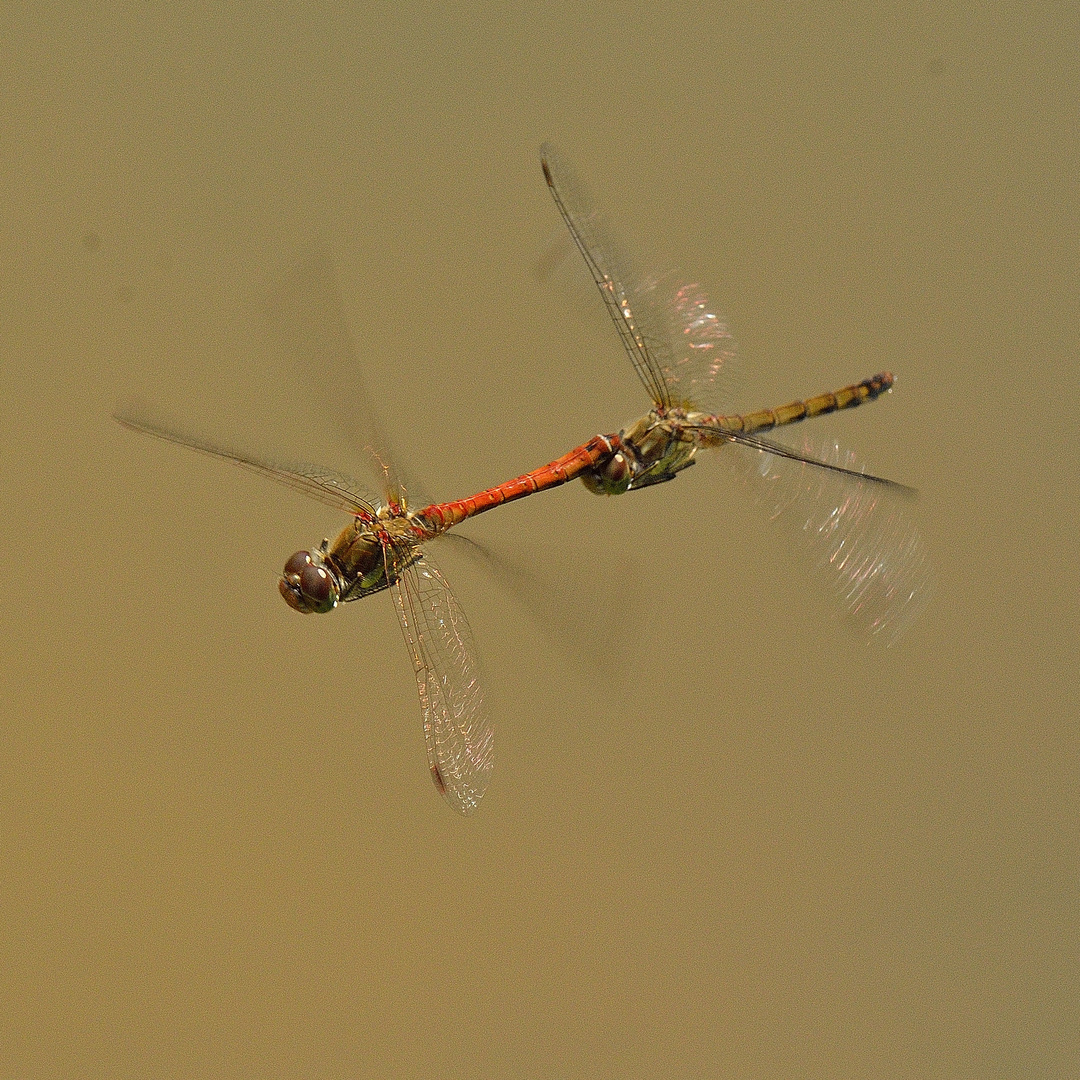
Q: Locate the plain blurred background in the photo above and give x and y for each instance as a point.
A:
(725, 837)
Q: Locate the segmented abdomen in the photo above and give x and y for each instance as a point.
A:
(846, 398)
(442, 516)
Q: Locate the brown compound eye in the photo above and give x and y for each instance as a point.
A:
(616, 470)
(318, 588)
(307, 586)
(295, 566)
(611, 478)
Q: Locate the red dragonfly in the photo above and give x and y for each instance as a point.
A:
(675, 345)
(381, 548)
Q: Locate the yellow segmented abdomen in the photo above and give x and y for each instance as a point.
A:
(846, 398)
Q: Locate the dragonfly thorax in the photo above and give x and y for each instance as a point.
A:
(653, 450)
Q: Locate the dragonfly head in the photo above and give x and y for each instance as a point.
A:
(308, 585)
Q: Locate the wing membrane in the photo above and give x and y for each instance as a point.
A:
(319, 483)
(457, 731)
(852, 528)
(775, 449)
(643, 336)
(309, 317)
(680, 348)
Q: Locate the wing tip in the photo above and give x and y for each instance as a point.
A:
(437, 776)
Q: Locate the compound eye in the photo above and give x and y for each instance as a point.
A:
(318, 587)
(617, 469)
(296, 564)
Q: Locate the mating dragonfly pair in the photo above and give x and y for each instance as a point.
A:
(682, 352)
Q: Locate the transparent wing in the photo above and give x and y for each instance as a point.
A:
(861, 544)
(680, 348)
(700, 366)
(325, 485)
(713, 435)
(457, 730)
(643, 336)
(308, 315)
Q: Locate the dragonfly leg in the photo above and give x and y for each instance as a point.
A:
(647, 478)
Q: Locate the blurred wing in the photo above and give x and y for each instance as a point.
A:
(329, 487)
(701, 369)
(457, 731)
(860, 543)
(309, 318)
(715, 436)
(680, 348)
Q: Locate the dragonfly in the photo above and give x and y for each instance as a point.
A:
(679, 349)
(382, 548)
(851, 523)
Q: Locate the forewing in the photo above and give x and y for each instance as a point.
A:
(628, 295)
(701, 366)
(457, 730)
(856, 533)
(325, 485)
(308, 315)
(680, 348)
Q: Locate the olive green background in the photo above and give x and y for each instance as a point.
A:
(724, 838)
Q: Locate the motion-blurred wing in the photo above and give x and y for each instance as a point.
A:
(701, 368)
(329, 487)
(712, 435)
(860, 541)
(308, 315)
